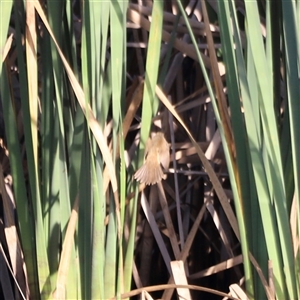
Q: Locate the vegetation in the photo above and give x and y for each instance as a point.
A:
(83, 86)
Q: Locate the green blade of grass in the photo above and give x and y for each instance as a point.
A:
(99, 229)
(290, 23)
(22, 203)
(242, 155)
(110, 275)
(104, 72)
(150, 103)
(118, 63)
(251, 109)
(85, 219)
(274, 173)
(92, 70)
(29, 107)
(59, 197)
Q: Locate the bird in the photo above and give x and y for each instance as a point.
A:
(157, 159)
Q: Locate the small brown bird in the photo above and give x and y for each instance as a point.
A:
(157, 158)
